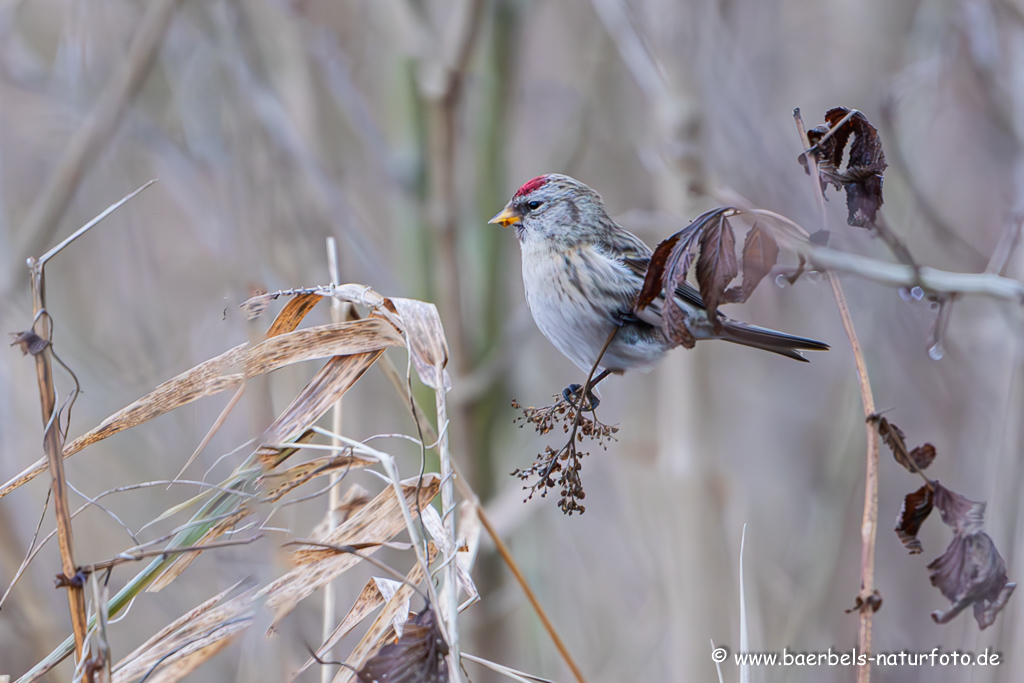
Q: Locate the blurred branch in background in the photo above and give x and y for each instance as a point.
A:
(41, 224)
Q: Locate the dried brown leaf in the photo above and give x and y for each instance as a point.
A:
(29, 342)
(322, 341)
(293, 313)
(922, 456)
(760, 254)
(653, 278)
(916, 508)
(893, 437)
(670, 263)
(971, 571)
(369, 599)
(200, 651)
(674, 326)
(417, 657)
(872, 602)
(353, 501)
(862, 178)
(962, 515)
(716, 265)
(428, 346)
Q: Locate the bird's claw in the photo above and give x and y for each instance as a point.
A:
(572, 394)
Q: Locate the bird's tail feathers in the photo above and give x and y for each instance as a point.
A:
(769, 340)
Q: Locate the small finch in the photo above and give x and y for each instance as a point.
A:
(582, 272)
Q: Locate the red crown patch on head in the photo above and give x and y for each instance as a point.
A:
(531, 185)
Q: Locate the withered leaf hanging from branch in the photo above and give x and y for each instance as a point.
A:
(916, 508)
(671, 261)
(971, 571)
(710, 234)
(862, 178)
(666, 271)
(760, 254)
(914, 460)
(417, 657)
(716, 265)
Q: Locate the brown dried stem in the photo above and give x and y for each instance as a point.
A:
(521, 580)
(52, 444)
(866, 600)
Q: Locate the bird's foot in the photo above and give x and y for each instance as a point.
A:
(572, 394)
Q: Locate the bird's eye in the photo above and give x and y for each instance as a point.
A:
(534, 205)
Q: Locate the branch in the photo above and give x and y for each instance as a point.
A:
(899, 275)
(867, 600)
(882, 272)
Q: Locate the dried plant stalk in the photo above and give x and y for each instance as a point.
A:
(866, 599)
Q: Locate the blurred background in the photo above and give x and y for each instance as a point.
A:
(399, 127)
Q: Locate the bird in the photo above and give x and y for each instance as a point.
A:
(582, 273)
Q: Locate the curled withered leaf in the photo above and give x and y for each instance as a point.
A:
(293, 313)
(893, 437)
(29, 342)
(760, 254)
(923, 455)
(862, 178)
(417, 657)
(971, 571)
(962, 515)
(670, 264)
(671, 258)
(427, 344)
(916, 508)
(716, 265)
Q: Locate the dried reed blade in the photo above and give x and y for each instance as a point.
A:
(221, 372)
(181, 561)
(369, 599)
(283, 481)
(380, 520)
(194, 638)
(326, 387)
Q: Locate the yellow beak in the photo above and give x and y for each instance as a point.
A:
(507, 217)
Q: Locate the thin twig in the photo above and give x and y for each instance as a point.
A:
(869, 522)
(88, 226)
(163, 552)
(521, 580)
(212, 431)
(506, 556)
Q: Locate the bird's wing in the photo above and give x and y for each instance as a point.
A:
(685, 291)
(631, 251)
